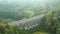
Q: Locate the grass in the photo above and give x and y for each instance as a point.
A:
(41, 33)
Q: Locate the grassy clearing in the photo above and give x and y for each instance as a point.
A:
(41, 33)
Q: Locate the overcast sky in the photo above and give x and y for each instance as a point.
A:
(28, 1)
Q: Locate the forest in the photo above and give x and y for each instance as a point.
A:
(38, 17)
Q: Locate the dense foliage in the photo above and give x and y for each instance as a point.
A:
(50, 24)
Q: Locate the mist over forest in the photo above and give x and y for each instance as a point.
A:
(17, 6)
(36, 16)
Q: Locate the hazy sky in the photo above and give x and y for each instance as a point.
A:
(27, 1)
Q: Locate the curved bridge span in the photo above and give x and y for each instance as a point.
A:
(28, 23)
